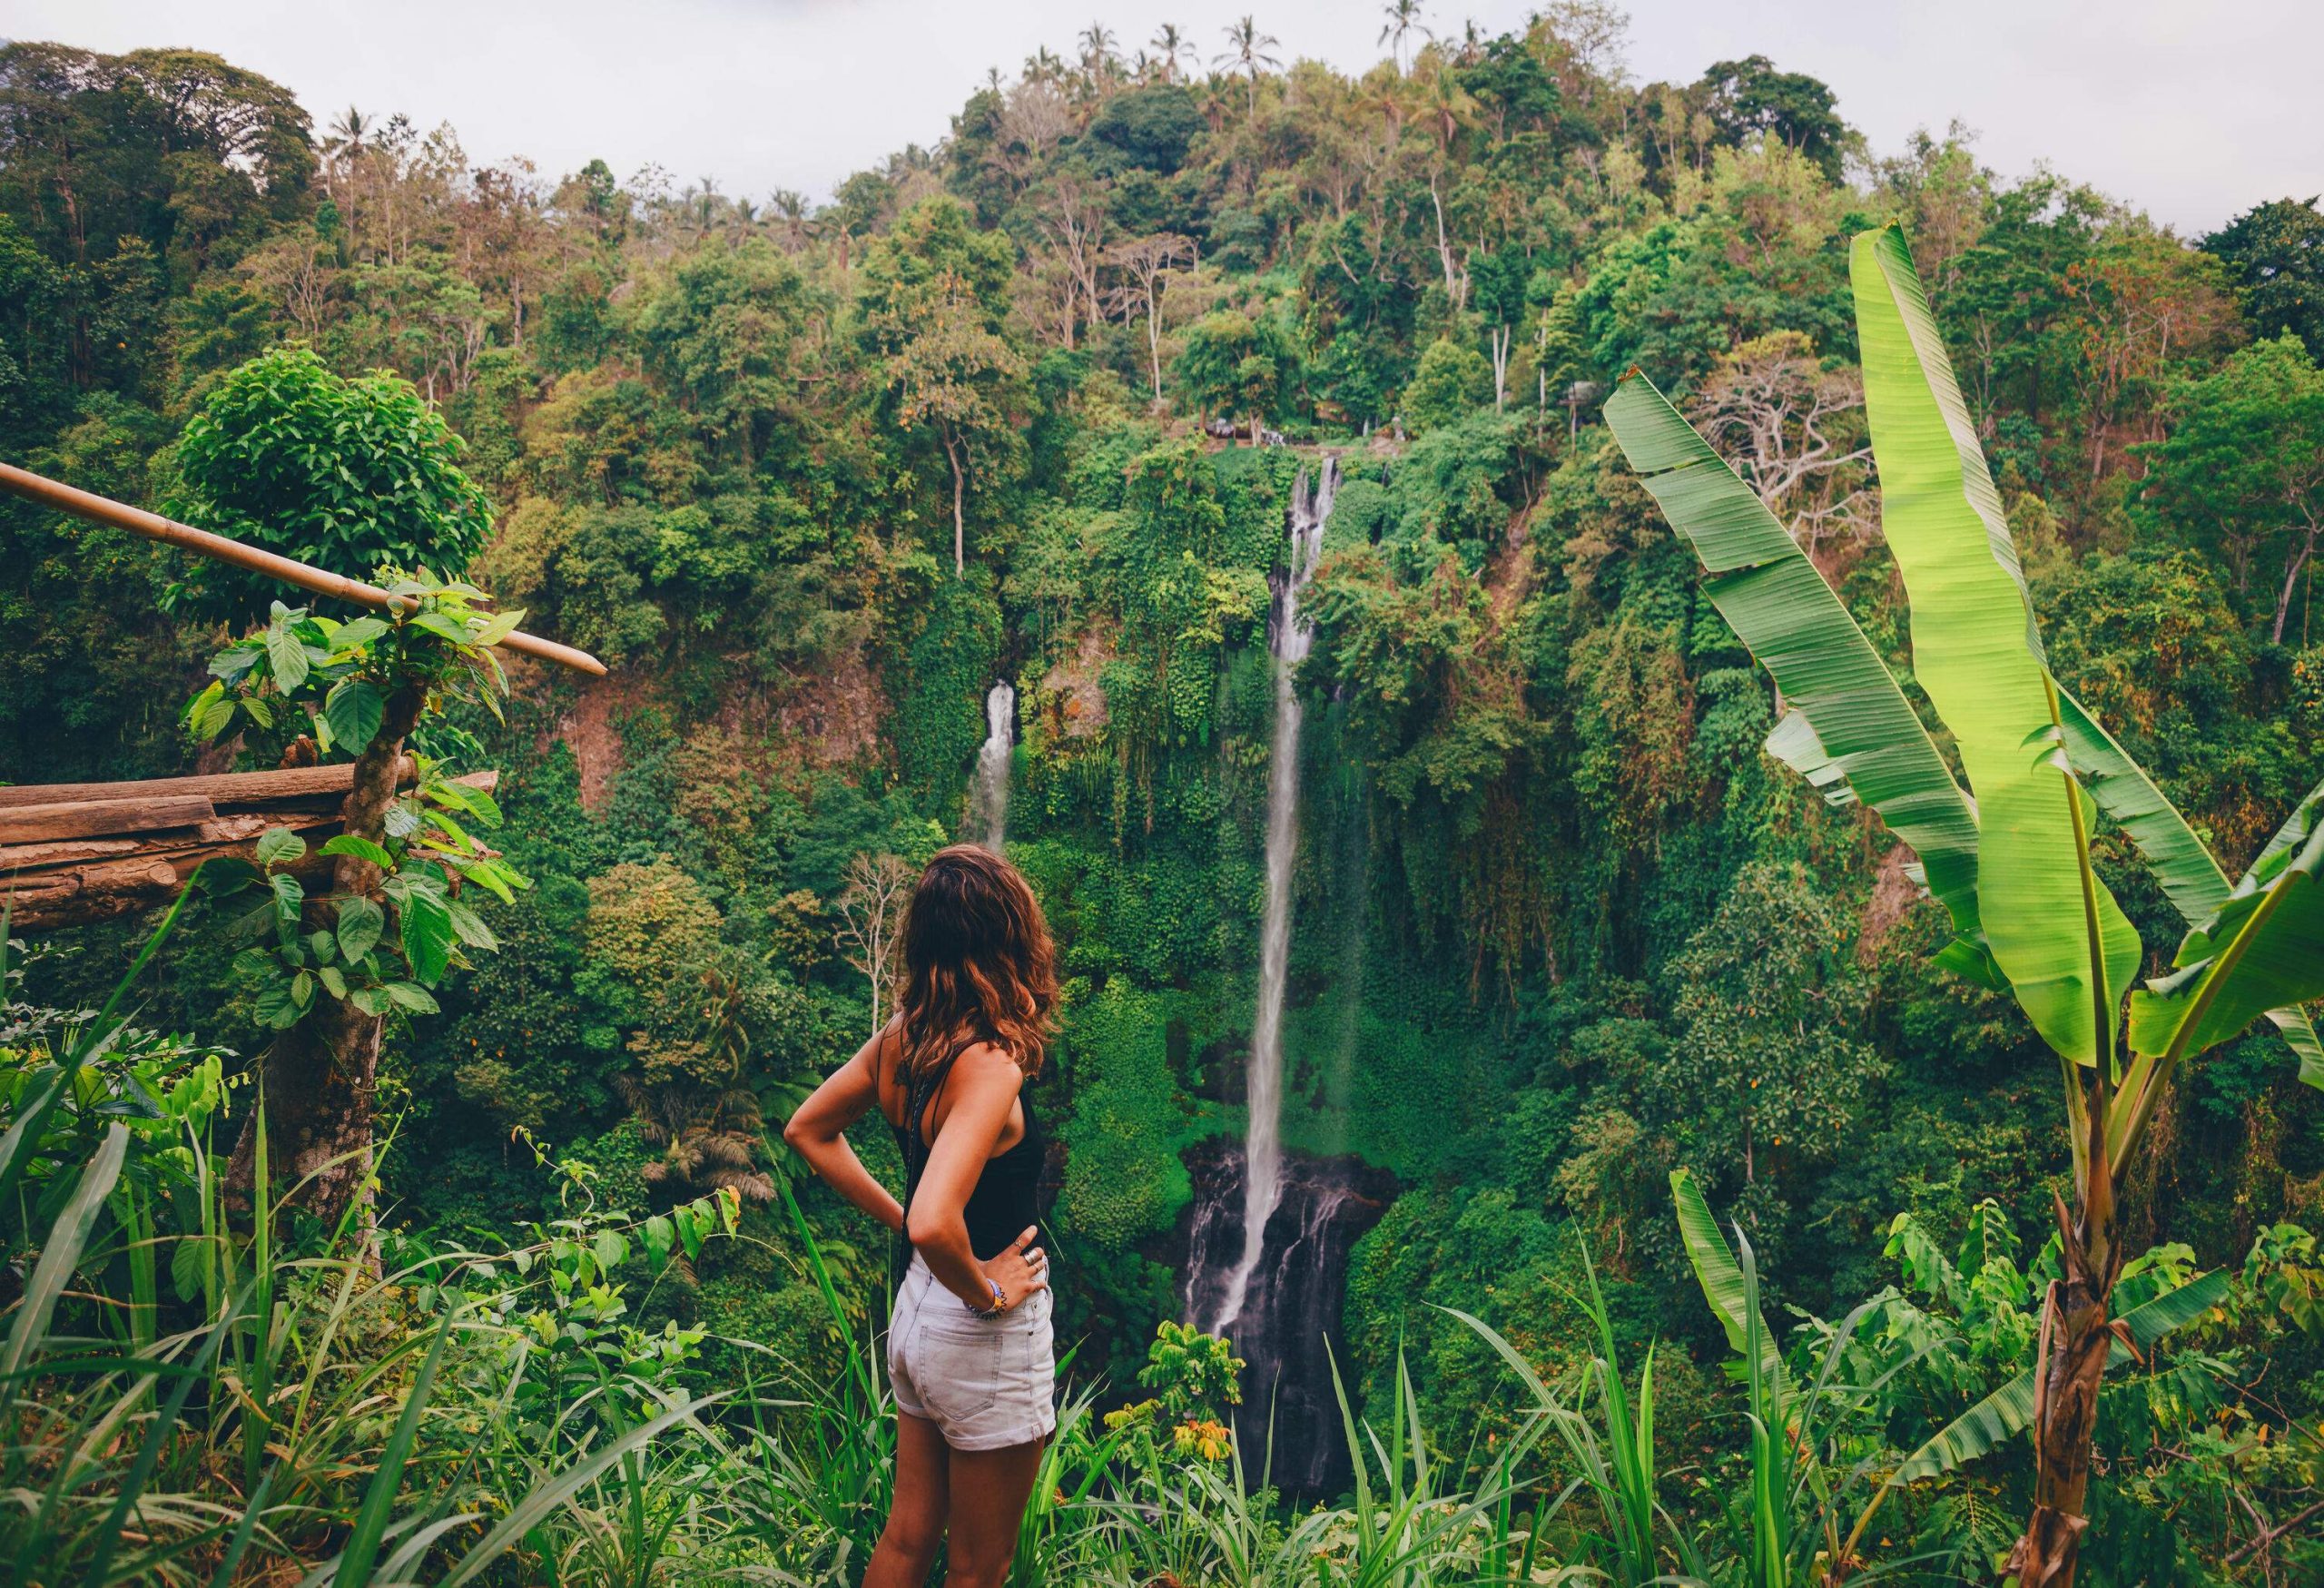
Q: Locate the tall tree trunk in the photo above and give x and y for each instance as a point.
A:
(2077, 1334)
(959, 532)
(319, 1075)
(2291, 581)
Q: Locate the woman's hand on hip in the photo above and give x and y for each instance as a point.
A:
(1017, 1271)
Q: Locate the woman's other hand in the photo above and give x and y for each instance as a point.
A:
(1020, 1272)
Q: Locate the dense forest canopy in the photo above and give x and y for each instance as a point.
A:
(1031, 406)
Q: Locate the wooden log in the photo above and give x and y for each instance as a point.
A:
(99, 818)
(65, 498)
(223, 788)
(51, 886)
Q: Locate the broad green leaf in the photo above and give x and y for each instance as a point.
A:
(410, 996)
(1976, 652)
(360, 923)
(274, 1006)
(213, 719)
(2263, 951)
(290, 899)
(498, 879)
(354, 709)
(428, 936)
(499, 627)
(280, 846)
(362, 848)
(287, 658)
(2184, 869)
(1722, 1280)
(442, 625)
(351, 637)
(1847, 719)
(471, 928)
(2183, 866)
(1997, 1417)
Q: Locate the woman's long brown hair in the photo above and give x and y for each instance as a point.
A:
(978, 962)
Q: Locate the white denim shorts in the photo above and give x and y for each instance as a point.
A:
(987, 1384)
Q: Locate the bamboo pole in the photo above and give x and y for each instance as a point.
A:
(99, 509)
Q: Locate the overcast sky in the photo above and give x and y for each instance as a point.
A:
(2192, 111)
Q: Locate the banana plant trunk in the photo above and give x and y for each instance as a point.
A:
(2078, 1333)
(320, 1076)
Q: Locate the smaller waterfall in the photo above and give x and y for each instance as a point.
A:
(988, 822)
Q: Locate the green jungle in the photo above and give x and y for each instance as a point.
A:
(1807, 721)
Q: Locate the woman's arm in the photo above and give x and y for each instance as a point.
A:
(983, 1087)
(817, 1132)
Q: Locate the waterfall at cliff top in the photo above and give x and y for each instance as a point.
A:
(1263, 1139)
(988, 821)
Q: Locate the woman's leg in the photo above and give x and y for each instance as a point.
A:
(989, 1488)
(916, 1522)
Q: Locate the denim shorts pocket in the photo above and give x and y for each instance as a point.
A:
(958, 1370)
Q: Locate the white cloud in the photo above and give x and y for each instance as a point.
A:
(2193, 111)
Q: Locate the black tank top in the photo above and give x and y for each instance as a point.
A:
(1008, 1194)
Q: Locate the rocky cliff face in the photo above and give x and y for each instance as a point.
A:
(1287, 1329)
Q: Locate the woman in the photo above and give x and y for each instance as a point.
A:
(970, 1355)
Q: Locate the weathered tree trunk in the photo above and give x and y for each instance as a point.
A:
(959, 531)
(2077, 1334)
(2291, 581)
(319, 1076)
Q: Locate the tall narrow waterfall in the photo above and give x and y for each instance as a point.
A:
(1262, 1136)
(988, 821)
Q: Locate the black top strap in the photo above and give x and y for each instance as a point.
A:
(920, 1086)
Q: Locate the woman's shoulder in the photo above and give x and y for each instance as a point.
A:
(983, 1064)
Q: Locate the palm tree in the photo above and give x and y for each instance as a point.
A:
(1248, 50)
(346, 134)
(789, 206)
(2013, 867)
(1403, 19)
(1098, 42)
(1043, 66)
(1170, 47)
(344, 145)
(1445, 107)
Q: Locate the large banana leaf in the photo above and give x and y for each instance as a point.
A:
(2057, 934)
(1723, 1284)
(2010, 1408)
(2263, 949)
(1849, 720)
(2185, 868)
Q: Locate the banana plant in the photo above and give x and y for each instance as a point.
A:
(2009, 855)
